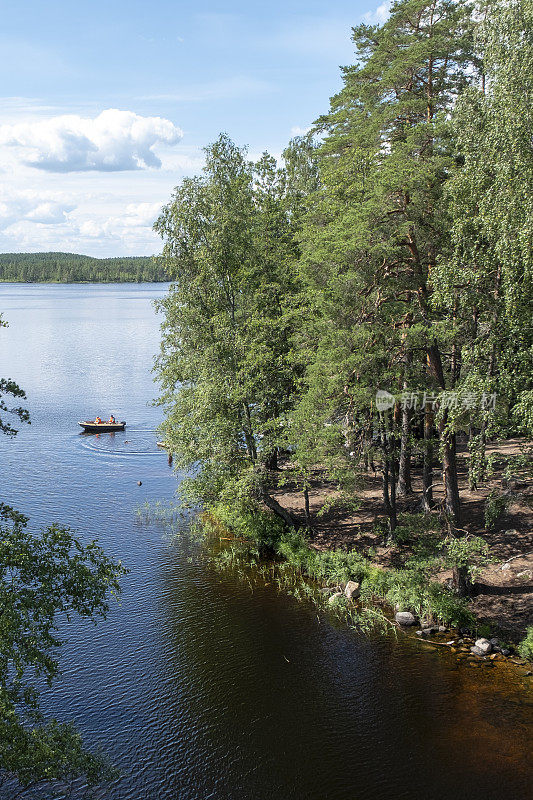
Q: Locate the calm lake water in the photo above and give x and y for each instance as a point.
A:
(195, 686)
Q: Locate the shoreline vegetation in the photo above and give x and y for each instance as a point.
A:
(402, 583)
(74, 268)
(347, 354)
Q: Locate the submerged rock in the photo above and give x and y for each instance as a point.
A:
(405, 618)
(352, 590)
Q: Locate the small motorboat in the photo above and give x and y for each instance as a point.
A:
(102, 427)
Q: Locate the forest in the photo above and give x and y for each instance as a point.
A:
(363, 309)
(73, 268)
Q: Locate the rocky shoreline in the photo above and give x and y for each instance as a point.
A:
(464, 645)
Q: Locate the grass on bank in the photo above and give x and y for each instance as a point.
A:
(256, 534)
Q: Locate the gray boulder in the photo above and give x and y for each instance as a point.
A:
(477, 651)
(484, 645)
(335, 598)
(405, 618)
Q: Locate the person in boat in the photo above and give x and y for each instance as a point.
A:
(98, 421)
(112, 420)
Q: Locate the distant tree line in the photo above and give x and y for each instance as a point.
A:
(73, 268)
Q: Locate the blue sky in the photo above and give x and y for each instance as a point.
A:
(105, 106)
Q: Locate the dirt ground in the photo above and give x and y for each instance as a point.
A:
(503, 593)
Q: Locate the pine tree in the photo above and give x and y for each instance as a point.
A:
(378, 223)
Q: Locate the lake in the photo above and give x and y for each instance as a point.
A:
(196, 686)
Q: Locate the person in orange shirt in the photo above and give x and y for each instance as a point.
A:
(98, 420)
(112, 419)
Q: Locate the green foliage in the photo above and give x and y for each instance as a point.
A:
(224, 368)
(484, 630)
(411, 591)
(73, 268)
(525, 648)
(325, 566)
(255, 524)
(488, 277)
(8, 388)
(469, 553)
(44, 577)
(496, 506)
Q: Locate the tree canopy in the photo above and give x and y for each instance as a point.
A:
(386, 256)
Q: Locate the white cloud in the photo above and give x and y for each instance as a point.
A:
(111, 142)
(135, 218)
(379, 15)
(31, 207)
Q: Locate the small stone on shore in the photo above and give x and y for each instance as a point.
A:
(484, 645)
(352, 590)
(335, 597)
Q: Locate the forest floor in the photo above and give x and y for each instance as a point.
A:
(503, 592)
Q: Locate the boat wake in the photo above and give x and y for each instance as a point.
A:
(134, 442)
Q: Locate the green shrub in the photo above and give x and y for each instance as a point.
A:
(525, 648)
(470, 552)
(495, 507)
(410, 590)
(259, 526)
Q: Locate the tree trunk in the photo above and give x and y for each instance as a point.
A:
(271, 460)
(461, 581)
(404, 472)
(427, 475)
(388, 483)
(449, 461)
(278, 509)
(307, 512)
(452, 505)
